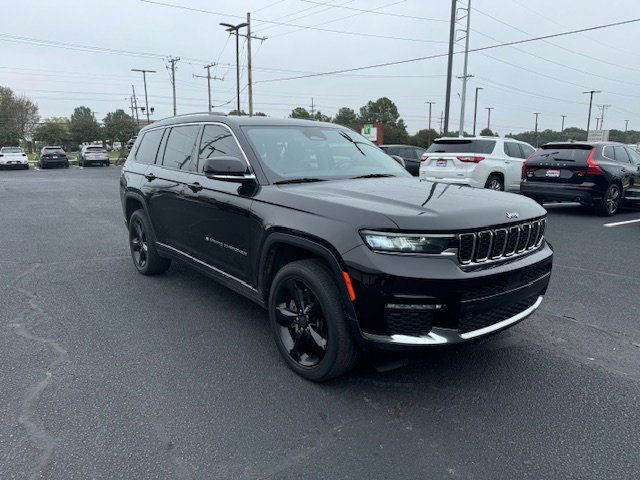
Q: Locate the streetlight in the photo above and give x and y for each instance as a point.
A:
(233, 30)
(475, 111)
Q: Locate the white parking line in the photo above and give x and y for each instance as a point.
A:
(615, 224)
(37, 168)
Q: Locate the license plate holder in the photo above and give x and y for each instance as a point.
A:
(440, 162)
(552, 173)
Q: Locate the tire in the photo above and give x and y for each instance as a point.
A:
(143, 250)
(66, 165)
(325, 348)
(26, 167)
(106, 164)
(610, 202)
(494, 182)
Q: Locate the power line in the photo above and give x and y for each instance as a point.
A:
(441, 55)
(386, 14)
(286, 24)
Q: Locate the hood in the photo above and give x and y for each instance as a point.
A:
(411, 203)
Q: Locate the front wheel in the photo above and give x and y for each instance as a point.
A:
(610, 202)
(308, 321)
(143, 250)
(494, 182)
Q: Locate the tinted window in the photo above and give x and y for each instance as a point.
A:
(635, 156)
(10, 150)
(621, 155)
(512, 149)
(419, 152)
(148, 148)
(178, 152)
(408, 152)
(563, 153)
(526, 150)
(462, 146)
(217, 141)
(608, 152)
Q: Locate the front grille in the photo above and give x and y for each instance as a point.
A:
(501, 242)
(408, 322)
(476, 321)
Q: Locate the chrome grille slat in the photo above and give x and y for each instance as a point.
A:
(495, 244)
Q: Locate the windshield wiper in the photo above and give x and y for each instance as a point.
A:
(351, 140)
(299, 180)
(374, 175)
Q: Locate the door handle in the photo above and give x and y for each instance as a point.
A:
(624, 170)
(150, 176)
(195, 187)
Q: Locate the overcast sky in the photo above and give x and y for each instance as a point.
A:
(546, 77)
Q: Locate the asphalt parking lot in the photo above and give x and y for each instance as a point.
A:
(108, 374)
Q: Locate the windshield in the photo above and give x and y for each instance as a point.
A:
(318, 152)
(462, 146)
(11, 150)
(563, 152)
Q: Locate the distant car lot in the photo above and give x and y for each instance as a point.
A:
(183, 372)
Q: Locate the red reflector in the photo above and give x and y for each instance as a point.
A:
(424, 158)
(347, 282)
(592, 166)
(470, 159)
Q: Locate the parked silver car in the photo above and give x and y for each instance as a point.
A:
(93, 154)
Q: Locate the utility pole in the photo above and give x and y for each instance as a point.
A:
(250, 37)
(465, 76)
(488, 109)
(452, 32)
(173, 62)
(603, 108)
(536, 128)
(135, 104)
(597, 123)
(590, 92)
(133, 115)
(626, 126)
(475, 111)
(429, 130)
(209, 78)
(312, 108)
(234, 30)
(562, 129)
(441, 120)
(146, 97)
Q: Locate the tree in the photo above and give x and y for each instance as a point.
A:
(382, 110)
(320, 117)
(346, 116)
(395, 133)
(487, 132)
(235, 112)
(119, 126)
(83, 126)
(259, 114)
(300, 112)
(18, 117)
(421, 138)
(53, 131)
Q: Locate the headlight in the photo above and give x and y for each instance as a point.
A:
(407, 242)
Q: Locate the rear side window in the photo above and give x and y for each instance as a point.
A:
(635, 156)
(217, 141)
(621, 155)
(148, 148)
(563, 153)
(512, 149)
(462, 146)
(178, 152)
(526, 150)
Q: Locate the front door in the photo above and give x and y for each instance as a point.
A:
(221, 231)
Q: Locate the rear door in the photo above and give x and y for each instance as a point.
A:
(456, 158)
(559, 163)
(513, 164)
(633, 193)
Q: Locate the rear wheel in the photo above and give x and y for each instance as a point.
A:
(308, 321)
(610, 202)
(143, 250)
(494, 182)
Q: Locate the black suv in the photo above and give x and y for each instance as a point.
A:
(345, 249)
(411, 155)
(599, 174)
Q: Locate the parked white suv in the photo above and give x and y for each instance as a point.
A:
(13, 157)
(483, 162)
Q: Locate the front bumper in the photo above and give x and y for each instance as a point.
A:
(411, 301)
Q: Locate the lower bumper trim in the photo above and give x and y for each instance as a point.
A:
(445, 336)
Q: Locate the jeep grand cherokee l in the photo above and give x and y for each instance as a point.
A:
(345, 249)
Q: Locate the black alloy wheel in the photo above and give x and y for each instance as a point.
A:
(308, 321)
(303, 328)
(143, 251)
(610, 202)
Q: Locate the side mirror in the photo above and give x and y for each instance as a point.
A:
(228, 169)
(400, 160)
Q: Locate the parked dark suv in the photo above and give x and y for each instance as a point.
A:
(410, 154)
(345, 249)
(600, 174)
